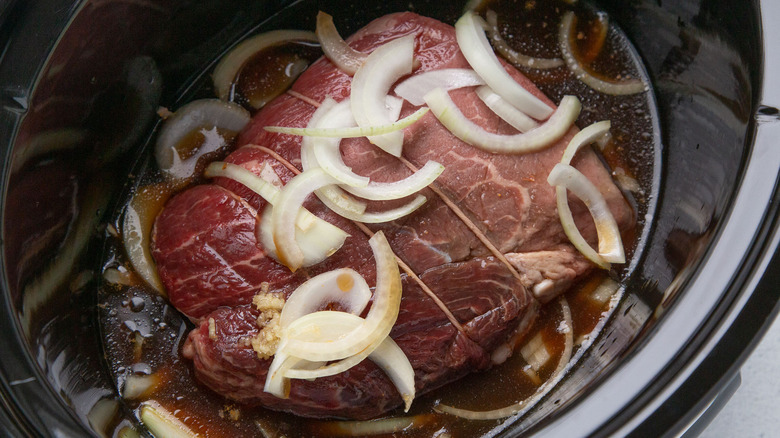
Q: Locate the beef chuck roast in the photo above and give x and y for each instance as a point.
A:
(212, 266)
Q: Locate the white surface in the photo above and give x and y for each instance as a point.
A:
(752, 411)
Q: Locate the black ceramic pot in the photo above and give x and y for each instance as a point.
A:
(80, 82)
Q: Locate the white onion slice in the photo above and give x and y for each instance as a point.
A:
(325, 152)
(390, 358)
(341, 203)
(136, 231)
(591, 134)
(479, 54)
(138, 386)
(564, 177)
(343, 286)
(334, 198)
(387, 355)
(372, 82)
(377, 217)
(203, 115)
(305, 219)
(162, 422)
(351, 132)
(230, 65)
(335, 48)
(632, 86)
(379, 191)
(538, 138)
(394, 106)
(413, 89)
(315, 151)
(285, 209)
(508, 113)
(378, 321)
(265, 189)
(318, 238)
(510, 54)
(385, 426)
(276, 383)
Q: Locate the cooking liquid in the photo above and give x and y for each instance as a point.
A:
(144, 334)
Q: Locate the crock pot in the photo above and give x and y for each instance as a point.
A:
(80, 82)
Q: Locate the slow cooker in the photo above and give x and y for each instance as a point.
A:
(80, 84)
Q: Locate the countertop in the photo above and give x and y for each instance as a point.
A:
(753, 409)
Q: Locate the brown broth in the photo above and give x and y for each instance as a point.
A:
(134, 313)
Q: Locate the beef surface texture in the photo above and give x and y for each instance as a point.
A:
(212, 266)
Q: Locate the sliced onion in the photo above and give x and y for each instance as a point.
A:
(350, 208)
(383, 67)
(567, 328)
(565, 177)
(351, 132)
(333, 197)
(384, 426)
(265, 189)
(314, 149)
(605, 291)
(203, 115)
(325, 152)
(591, 134)
(341, 202)
(516, 58)
(378, 217)
(343, 286)
(162, 422)
(102, 414)
(378, 191)
(394, 106)
(386, 354)
(503, 109)
(566, 30)
(393, 361)
(479, 54)
(538, 138)
(288, 203)
(276, 383)
(335, 48)
(378, 321)
(413, 89)
(535, 352)
(305, 219)
(138, 386)
(330, 327)
(230, 65)
(308, 297)
(136, 236)
(318, 238)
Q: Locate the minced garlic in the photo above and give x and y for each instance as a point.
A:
(267, 339)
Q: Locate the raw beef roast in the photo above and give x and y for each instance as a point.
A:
(212, 266)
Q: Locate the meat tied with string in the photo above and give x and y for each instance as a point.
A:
(487, 243)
